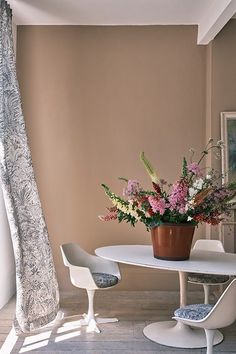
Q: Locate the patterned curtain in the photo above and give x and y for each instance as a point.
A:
(37, 300)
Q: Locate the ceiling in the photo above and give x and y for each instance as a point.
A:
(209, 15)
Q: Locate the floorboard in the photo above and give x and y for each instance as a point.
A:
(135, 309)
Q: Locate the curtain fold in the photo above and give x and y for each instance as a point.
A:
(37, 301)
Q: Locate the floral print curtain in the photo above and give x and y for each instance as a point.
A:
(37, 289)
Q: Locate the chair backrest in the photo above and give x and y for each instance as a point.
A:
(78, 262)
(209, 245)
(224, 312)
(82, 264)
(74, 255)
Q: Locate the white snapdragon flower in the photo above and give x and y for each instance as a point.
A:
(132, 210)
(187, 207)
(198, 183)
(189, 218)
(192, 192)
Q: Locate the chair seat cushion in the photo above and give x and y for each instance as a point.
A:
(104, 280)
(207, 278)
(193, 312)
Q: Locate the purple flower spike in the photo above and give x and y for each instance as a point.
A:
(132, 188)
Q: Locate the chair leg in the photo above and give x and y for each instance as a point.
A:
(206, 293)
(90, 319)
(90, 314)
(210, 337)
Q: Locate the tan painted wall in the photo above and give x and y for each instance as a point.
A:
(93, 99)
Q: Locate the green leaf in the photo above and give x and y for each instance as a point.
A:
(184, 168)
(232, 185)
(123, 179)
(107, 190)
(112, 196)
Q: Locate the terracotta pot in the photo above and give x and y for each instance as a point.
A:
(172, 242)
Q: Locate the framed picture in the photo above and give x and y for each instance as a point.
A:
(228, 135)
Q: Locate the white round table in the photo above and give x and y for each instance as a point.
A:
(172, 333)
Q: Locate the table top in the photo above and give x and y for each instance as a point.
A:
(199, 261)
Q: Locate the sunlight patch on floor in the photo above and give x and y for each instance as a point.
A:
(73, 324)
(41, 344)
(67, 329)
(9, 343)
(35, 341)
(67, 336)
(37, 337)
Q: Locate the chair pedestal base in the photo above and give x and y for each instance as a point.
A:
(92, 323)
(90, 318)
(179, 335)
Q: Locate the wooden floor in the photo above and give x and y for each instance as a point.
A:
(135, 309)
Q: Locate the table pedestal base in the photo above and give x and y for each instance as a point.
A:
(176, 334)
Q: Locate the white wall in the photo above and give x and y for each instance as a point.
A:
(7, 264)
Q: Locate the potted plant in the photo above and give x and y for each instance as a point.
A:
(172, 211)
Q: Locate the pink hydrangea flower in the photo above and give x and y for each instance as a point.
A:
(157, 205)
(178, 196)
(194, 168)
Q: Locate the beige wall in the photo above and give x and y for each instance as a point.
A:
(93, 99)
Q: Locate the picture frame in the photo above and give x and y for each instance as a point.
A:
(228, 135)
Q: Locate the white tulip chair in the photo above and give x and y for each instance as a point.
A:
(207, 280)
(210, 317)
(91, 273)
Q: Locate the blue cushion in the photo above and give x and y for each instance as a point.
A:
(104, 280)
(207, 278)
(193, 312)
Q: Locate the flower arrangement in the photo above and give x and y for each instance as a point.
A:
(196, 197)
